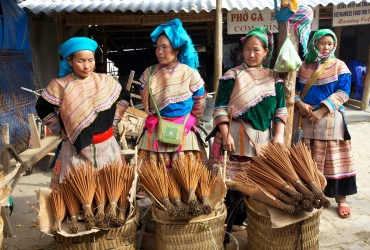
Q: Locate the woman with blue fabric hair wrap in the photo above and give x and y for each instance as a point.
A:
(82, 106)
(178, 92)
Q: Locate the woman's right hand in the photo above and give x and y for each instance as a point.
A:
(228, 143)
(304, 108)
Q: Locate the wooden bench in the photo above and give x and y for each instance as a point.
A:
(29, 157)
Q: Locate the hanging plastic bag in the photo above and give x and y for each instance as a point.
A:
(288, 59)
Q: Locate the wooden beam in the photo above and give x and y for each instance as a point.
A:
(289, 80)
(218, 45)
(70, 32)
(5, 140)
(366, 93)
(354, 102)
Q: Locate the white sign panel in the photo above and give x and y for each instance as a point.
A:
(242, 21)
(351, 14)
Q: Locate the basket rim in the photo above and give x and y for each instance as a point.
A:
(224, 210)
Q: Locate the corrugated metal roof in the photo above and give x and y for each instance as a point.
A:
(49, 6)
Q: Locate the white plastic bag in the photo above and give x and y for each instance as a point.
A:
(288, 59)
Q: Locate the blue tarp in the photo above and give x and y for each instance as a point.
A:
(14, 32)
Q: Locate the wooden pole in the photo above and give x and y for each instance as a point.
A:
(6, 140)
(289, 80)
(366, 93)
(218, 45)
(338, 33)
(105, 52)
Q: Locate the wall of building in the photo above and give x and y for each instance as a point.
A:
(43, 39)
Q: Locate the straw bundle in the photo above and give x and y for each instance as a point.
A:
(204, 189)
(123, 202)
(82, 180)
(306, 168)
(2, 175)
(113, 178)
(73, 206)
(155, 181)
(187, 172)
(243, 177)
(101, 200)
(58, 207)
(277, 158)
(174, 193)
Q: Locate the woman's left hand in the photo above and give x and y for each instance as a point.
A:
(316, 115)
(278, 138)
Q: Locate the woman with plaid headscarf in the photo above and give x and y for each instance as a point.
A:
(324, 128)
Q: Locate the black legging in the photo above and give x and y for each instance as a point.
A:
(236, 213)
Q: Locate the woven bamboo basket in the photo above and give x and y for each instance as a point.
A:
(122, 238)
(200, 233)
(303, 235)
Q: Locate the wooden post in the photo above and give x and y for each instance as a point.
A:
(7, 225)
(6, 140)
(289, 81)
(218, 45)
(338, 33)
(366, 93)
(35, 133)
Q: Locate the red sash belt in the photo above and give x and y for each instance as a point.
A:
(98, 138)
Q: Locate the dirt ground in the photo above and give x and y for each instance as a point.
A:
(335, 233)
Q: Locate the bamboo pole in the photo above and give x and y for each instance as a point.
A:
(366, 93)
(218, 45)
(289, 81)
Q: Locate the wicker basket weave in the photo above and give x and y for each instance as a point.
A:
(122, 238)
(206, 233)
(303, 235)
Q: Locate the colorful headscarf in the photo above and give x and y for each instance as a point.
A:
(301, 21)
(179, 40)
(71, 46)
(266, 35)
(313, 54)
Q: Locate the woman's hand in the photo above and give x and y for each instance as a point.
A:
(304, 108)
(278, 138)
(64, 135)
(228, 143)
(316, 115)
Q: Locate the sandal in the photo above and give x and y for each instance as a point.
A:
(344, 211)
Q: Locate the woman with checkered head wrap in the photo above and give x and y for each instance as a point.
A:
(324, 128)
(252, 96)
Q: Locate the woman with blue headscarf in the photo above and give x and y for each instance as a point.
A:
(82, 106)
(324, 128)
(178, 92)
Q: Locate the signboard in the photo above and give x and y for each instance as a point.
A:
(351, 14)
(242, 21)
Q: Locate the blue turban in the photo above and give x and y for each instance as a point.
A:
(71, 46)
(179, 40)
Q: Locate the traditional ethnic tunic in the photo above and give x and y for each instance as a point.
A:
(326, 138)
(256, 97)
(83, 108)
(177, 91)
